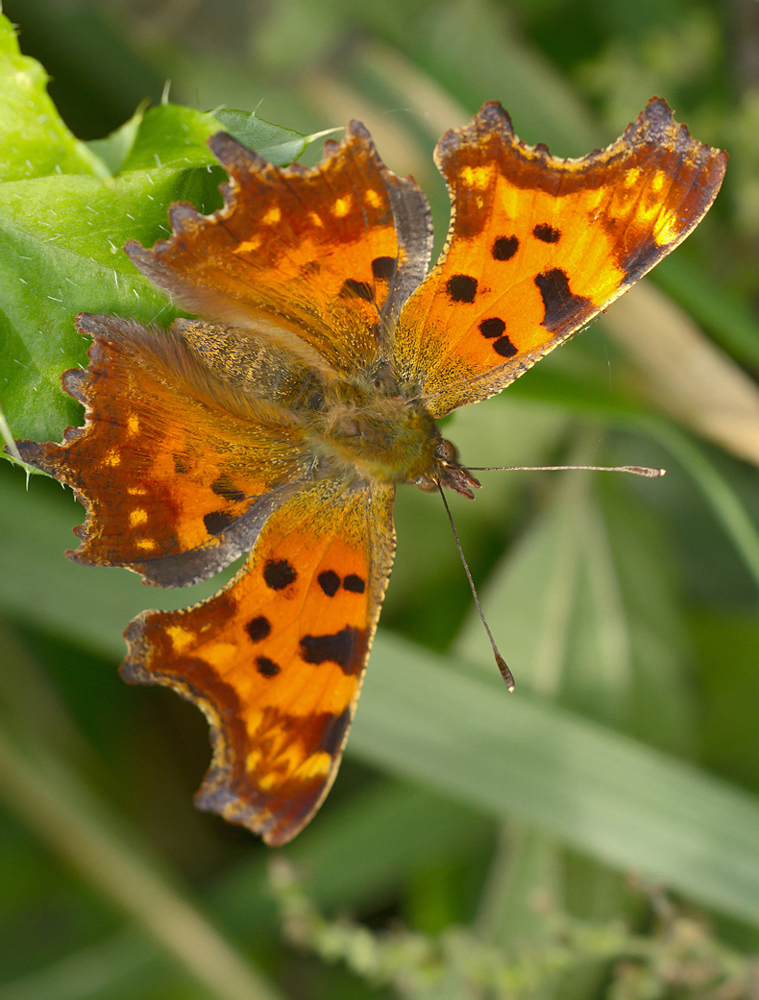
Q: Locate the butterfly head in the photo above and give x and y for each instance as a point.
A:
(447, 471)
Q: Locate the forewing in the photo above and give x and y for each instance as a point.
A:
(538, 246)
(325, 255)
(276, 659)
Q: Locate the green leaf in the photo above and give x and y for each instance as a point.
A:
(60, 254)
(278, 145)
(34, 141)
(171, 137)
(114, 149)
(60, 250)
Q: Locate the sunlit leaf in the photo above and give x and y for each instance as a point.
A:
(34, 141)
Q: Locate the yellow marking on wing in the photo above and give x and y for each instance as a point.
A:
(248, 245)
(133, 423)
(645, 214)
(667, 229)
(137, 517)
(316, 219)
(137, 491)
(145, 543)
(273, 216)
(317, 765)
(113, 458)
(476, 177)
(372, 198)
(341, 207)
(593, 200)
(181, 638)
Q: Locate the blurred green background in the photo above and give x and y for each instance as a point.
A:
(597, 833)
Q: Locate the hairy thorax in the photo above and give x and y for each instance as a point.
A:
(371, 427)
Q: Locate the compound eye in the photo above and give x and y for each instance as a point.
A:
(446, 451)
(426, 483)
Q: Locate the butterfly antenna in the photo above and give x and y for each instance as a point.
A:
(505, 672)
(635, 470)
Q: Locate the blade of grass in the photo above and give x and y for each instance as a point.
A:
(611, 797)
(51, 800)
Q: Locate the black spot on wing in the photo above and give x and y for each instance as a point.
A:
(353, 289)
(383, 268)
(461, 288)
(345, 648)
(224, 487)
(180, 464)
(279, 573)
(267, 667)
(504, 247)
(563, 309)
(329, 581)
(546, 233)
(258, 628)
(354, 584)
(492, 328)
(217, 521)
(504, 347)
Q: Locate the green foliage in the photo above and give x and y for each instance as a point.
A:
(501, 829)
(65, 212)
(680, 953)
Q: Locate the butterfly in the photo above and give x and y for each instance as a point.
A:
(280, 423)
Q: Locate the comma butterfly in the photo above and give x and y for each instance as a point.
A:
(281, 423)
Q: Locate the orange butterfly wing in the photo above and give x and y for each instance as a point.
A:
(180, 473)
(176, 485)
(538, 246)
(276, 659)
(321, 258)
